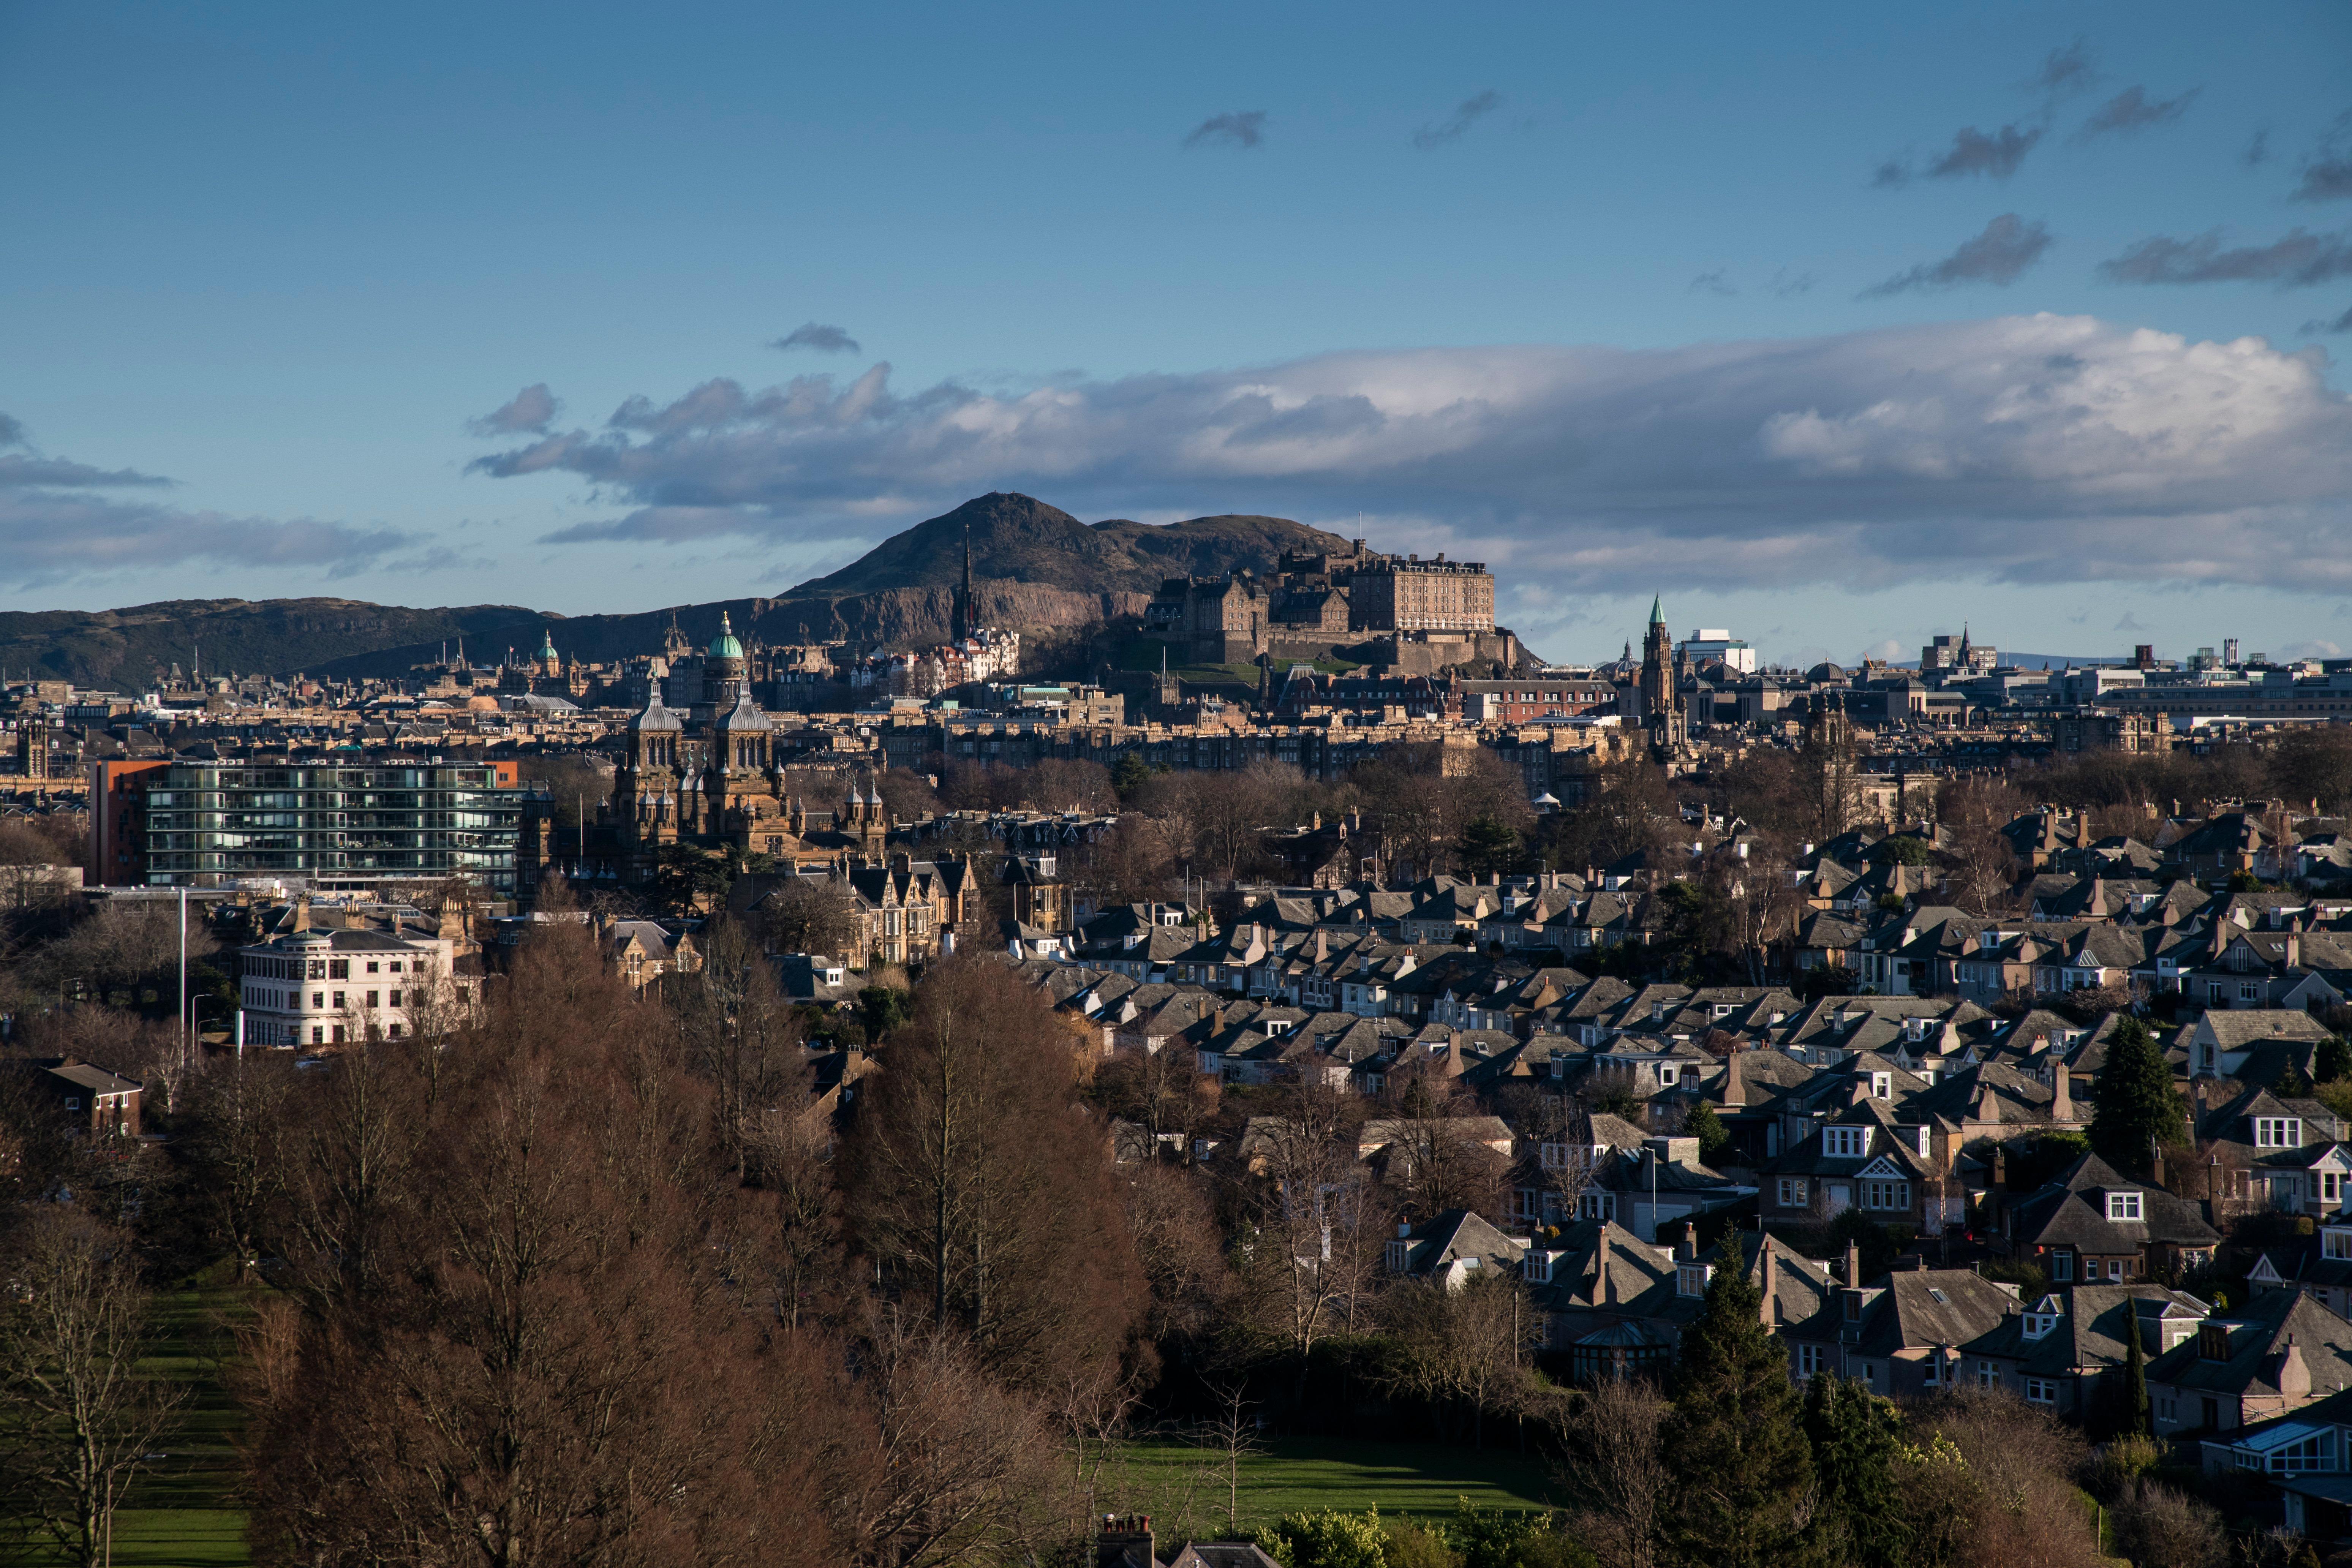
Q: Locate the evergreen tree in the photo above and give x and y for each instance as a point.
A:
(1736, 1457)
(1705, 1126)
(1487, 844)
(2134, 1104)
(1859, 1518)
(2333, 1060)
(2136, 1405)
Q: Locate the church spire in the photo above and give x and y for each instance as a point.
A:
(963, 627)
(1658, 615)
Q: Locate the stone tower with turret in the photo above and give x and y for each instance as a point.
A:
(1663, 711)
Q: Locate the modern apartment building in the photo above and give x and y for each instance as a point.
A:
(210, 822)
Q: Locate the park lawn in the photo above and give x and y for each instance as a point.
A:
(1166, 1478)
(185, 1510)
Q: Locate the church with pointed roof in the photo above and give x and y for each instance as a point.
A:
(711, 775)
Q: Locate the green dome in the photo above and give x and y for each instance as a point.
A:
(724, 644)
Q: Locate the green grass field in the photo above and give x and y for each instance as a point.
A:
(184, 1512)
(1184, 1488)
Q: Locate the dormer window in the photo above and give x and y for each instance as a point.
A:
(2335, 1242)
(1669, 1074)
(1690, 1278)
(1536, 1268)
(2278, 1132)
(2037, 1325)
(2212, 1342)
(2122, 1205)
(1845, 1142)
(1397, 1251)
(1882, 1086)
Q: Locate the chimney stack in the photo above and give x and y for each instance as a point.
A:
(1853, 1266)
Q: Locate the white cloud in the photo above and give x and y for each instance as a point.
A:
(2019, 448)
(58, 524)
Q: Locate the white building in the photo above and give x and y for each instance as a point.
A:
(333, 987)
(1713, 642)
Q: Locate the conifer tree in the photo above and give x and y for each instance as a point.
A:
(1734, 1454)
(1859, 1517)
(2134, 1106)
(2136, 1405)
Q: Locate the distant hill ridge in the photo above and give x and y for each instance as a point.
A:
(1035, 565)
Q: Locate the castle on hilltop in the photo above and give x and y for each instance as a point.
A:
(1320, 601)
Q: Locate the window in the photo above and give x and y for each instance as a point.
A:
(1690, 1278)
(1987, 1374)
(396, 1002)
(2335, 1243)
(371, 969)
(394, 1032)
(2040, 1323)
(317, 1034)
(339, 999)
(2247, 992)
(317, 998)
(1809, 1360)
(1882, 1086)
(394, 966)
(2212, 1342)
(2331, 1187)
(2166, 1409)
(1537, 1269)
(1792, 1196)
(2062, 1265)
(1886, 1195)
(1845, 1143)
(2041, 1390)
(338, 968)
(73, 1102)
(2122, 1205)
(372, 1001)
(2277, 1132)
(1397, 1250)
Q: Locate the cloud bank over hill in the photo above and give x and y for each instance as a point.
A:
(2017, 448)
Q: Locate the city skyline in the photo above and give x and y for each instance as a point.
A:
(2024, 315)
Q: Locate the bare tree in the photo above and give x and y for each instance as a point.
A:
(980, 1185)
(1437, 1161)
(1609, 1465)
(809, 914)
(1231, 1436)
(1463, 1346)
(237, 1114)
(1315, 1222)
(83, 1418)
(968, 1467)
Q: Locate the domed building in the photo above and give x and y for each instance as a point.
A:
(708, 774)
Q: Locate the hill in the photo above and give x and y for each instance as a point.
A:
(1037, 569)
(1020, 539)
(125, 648)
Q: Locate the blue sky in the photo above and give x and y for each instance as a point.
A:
(1617, 298)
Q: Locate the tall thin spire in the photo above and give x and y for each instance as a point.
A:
(1658, 615)
(961, 618)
